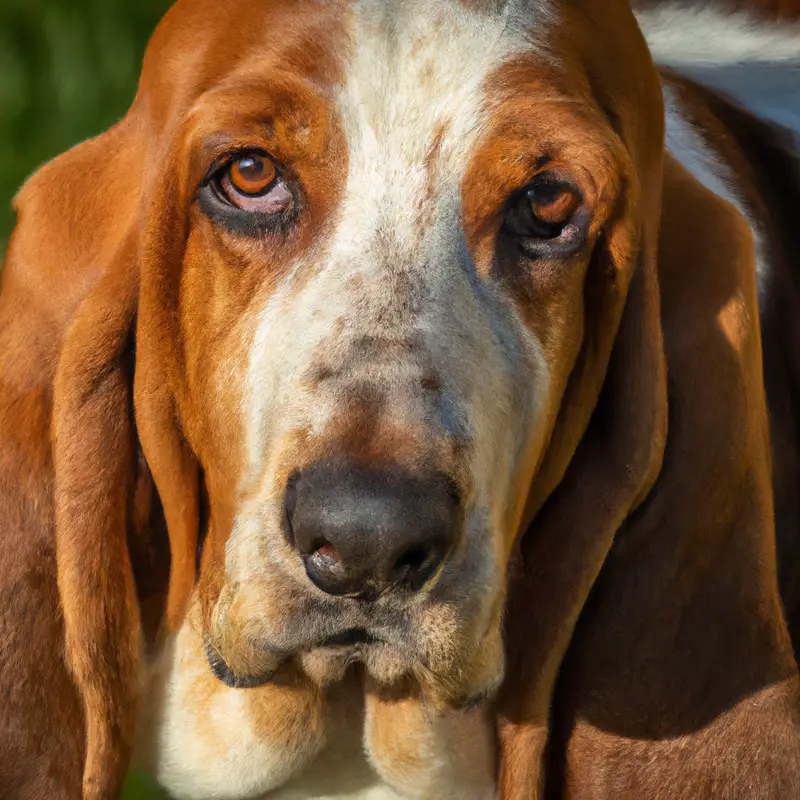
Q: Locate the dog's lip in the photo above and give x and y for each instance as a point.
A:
(349, 638)
(220, 669)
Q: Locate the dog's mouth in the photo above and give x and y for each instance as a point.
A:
(221, 671)
(349, 639)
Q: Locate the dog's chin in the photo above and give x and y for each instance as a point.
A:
(390, 671)
(328, 663)
(450, 671)
(386, 669)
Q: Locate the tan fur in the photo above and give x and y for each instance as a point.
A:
(611, 605)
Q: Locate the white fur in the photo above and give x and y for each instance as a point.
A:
(679, 35)
(204, 741)
(686, 144)
(197, 736)
(406, 77)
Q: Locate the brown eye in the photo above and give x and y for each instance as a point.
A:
(252, 174)
(553, 204)
(252, 183)
(549, 215)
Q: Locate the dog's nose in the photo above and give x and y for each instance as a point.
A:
(363, 529)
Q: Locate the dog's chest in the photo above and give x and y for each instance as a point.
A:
(286, 742)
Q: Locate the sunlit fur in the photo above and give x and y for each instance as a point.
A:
(595, 403)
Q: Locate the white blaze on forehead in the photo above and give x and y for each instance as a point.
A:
(414, 106)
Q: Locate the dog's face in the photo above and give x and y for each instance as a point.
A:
(396, 222)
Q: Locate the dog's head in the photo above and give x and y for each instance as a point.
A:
(375, 257)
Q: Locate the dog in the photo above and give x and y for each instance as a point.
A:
(402, 400)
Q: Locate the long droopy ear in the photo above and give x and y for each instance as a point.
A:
(94, 452)
(159, 386)
(561, 555)
(69, 291)
(96, 197)
(609, 437)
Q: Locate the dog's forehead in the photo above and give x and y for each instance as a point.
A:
(416, 73)
(415, 97)
(417, 68)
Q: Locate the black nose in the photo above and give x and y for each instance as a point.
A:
(362, 529)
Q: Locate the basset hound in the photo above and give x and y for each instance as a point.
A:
(400, 402)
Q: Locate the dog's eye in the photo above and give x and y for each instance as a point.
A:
(252, 183)
(549, 214)
(252, 174)
(552, 206)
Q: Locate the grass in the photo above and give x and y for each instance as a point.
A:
(142, 787)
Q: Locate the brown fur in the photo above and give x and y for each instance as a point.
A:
(647, 650)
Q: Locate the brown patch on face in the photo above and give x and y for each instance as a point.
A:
(227, 277)
(364, 430)
(237, 40)
(547, 123)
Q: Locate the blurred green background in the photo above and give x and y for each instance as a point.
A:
(68, 70)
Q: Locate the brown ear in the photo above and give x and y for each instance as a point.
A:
(683, 648)
(81, 242)
(160, 386)
(94, 453)
(173, 465)
(609, 437)
(92, 293)
(97, 397)
(560, 557)
(69, 297)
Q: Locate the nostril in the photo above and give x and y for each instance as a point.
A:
(413, 559)
(325, 552)
(325, 568)
(416, 565)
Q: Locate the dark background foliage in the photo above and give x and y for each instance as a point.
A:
(68, 70)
